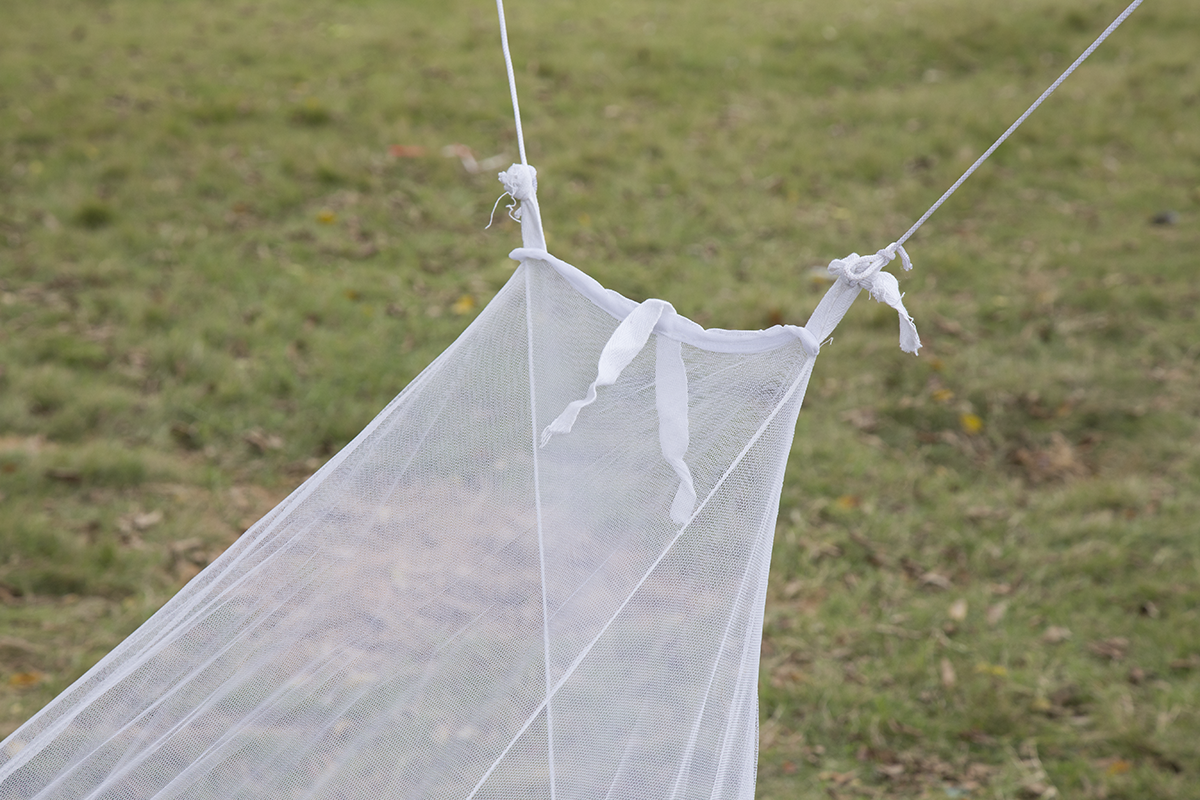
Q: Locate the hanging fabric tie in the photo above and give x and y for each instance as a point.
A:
(866, 272)
(630, 337)
(670, 393)
(671, 399)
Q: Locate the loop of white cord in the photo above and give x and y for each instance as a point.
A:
(861, 270)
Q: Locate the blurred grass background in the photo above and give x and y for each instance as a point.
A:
(229, 234)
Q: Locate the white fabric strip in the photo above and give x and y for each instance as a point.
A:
(622, 347)
(638, 322)
(671, 398)
(670, 393)
(833, 306)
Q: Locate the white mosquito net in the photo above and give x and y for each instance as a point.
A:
(539, 573)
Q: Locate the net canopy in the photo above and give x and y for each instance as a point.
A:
(539, 573)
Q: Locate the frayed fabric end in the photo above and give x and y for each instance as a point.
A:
(866, 272)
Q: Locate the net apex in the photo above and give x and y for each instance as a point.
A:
(520, 181)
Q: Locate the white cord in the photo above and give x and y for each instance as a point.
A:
(512, 81)
(1016, 124)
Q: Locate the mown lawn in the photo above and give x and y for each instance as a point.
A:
(230, 232)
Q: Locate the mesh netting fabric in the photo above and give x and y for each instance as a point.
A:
(540, 572)
(390, 630)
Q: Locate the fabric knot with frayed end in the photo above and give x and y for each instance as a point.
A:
(866, 272)
(520, 181)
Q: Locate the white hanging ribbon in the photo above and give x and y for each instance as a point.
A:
(671, 398)
(625, 343)
(671, 393)
(866, 272)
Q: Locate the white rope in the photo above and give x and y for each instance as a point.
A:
(512, 80)
(1115, 24)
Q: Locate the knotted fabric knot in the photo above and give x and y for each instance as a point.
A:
(866, 272)
(520, 181)
(860, 271)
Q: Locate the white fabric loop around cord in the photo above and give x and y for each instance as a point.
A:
(866, 272)
(670, 391)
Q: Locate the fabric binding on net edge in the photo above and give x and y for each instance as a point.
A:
(523, 579)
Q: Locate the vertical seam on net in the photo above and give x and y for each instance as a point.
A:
(537, 503)
(633, 737)
(750, 645)
(685, 765)
(801, 379)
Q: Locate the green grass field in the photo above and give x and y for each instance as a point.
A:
(229, 235)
